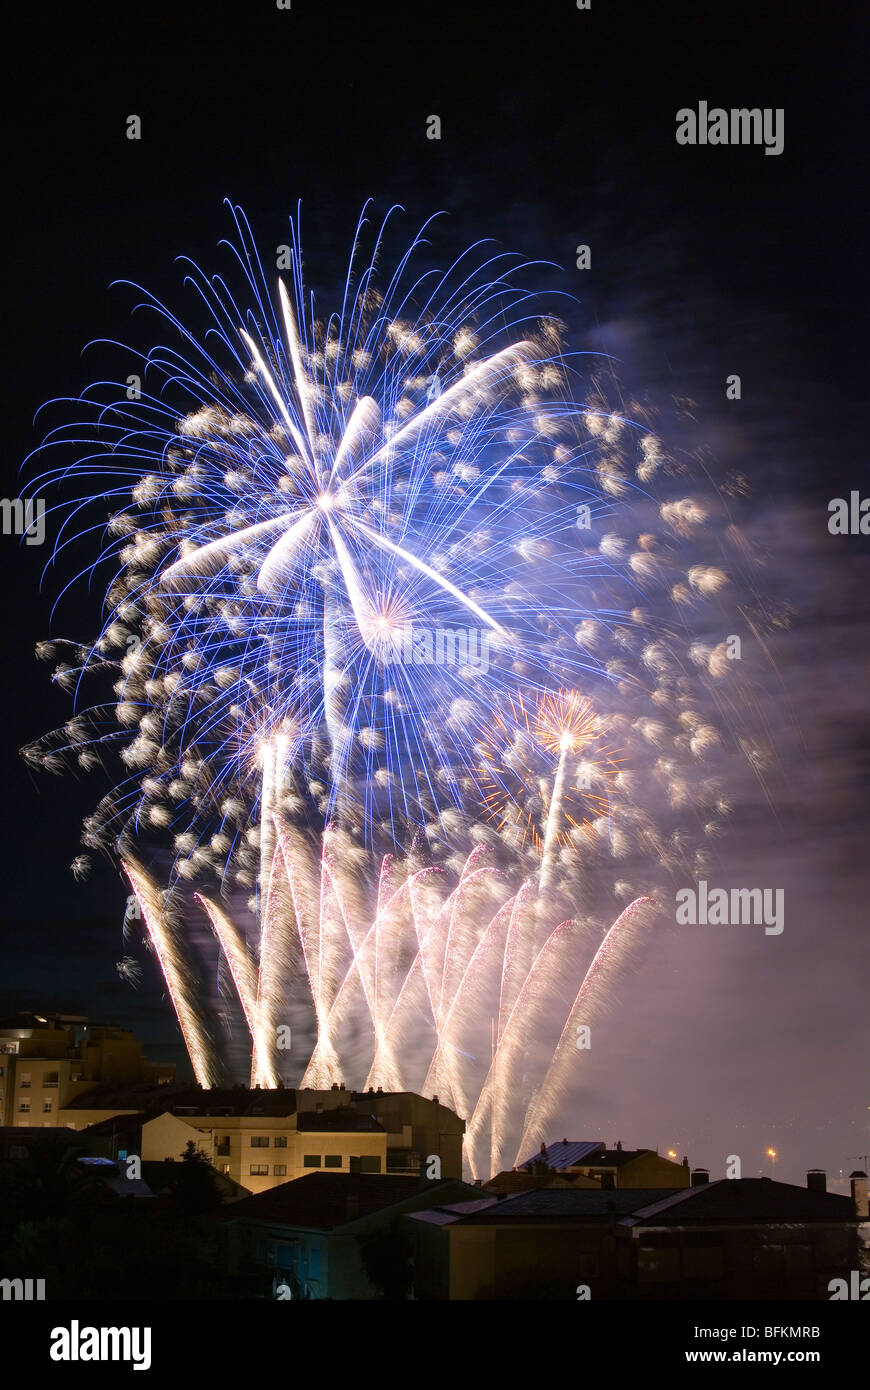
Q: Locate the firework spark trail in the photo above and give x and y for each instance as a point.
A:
(420, 983)
(243, 973)
(461, 941)
(180, 988)
(585, 1006)
(554, 815)
(532, 1006)
(309, 503)
(446, 952)
(287, 507)
(480, 967)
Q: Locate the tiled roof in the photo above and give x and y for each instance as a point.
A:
(528, 1181)
(743, 1199)
(155, 1099)
(564, 1205)
(615, 1158)
(116, 1123)
(321, 1201)
(337, 1121)
(451, 1212)
(122, 1095)
(27, 1134)
(565, 1154)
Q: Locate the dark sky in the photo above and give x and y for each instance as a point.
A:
(558, 128)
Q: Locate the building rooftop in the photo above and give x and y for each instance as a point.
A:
(575, 1153)
(565, 1203)
(336, 1122)
(738, 1200)
(30, 1134)
(528, 1180)
(322, 1201)
(125, 1095)
(743, 1199)
(566, 1154)
(181, 1098)
(133, 1120)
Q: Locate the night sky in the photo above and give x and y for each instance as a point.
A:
(557, 129)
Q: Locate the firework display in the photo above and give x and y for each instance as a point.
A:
(414, 675)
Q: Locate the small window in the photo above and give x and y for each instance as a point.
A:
(23, 1107)
(46, 1107)
(259, 1141)
(311, 1161)
(25, 1081)
(332, 1161)
(280, 1141)
(259, 1170)
(279, 1170)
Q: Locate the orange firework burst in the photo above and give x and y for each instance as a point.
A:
(553, 751)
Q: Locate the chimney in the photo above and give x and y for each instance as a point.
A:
(858, 1184)
(435, 1100)
(817, 1180)
(700, 1177)
(564, 1141)
(544, 1150)
(619, 1146)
